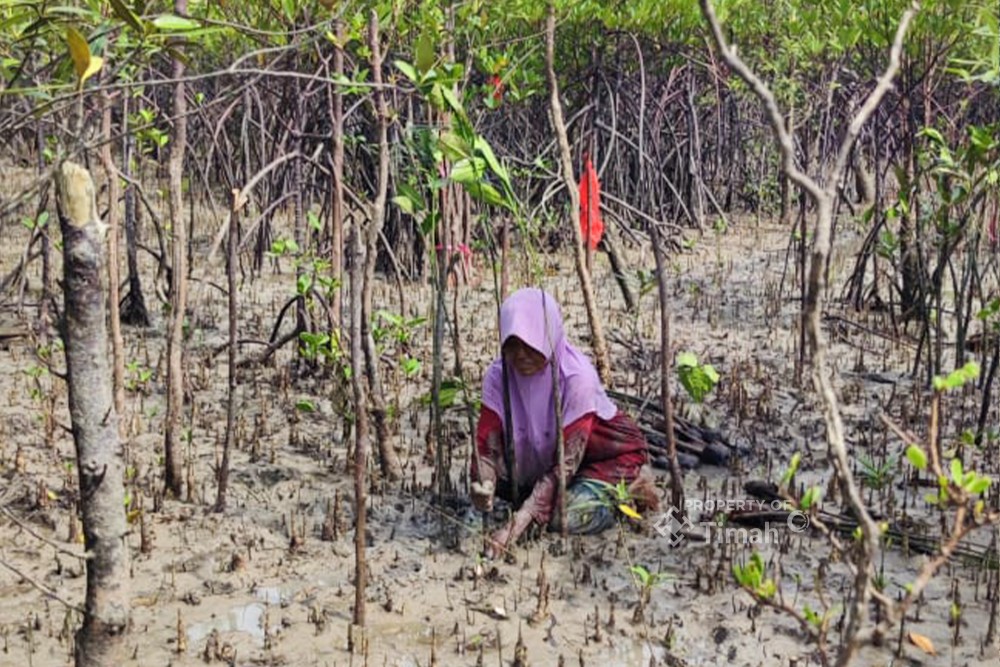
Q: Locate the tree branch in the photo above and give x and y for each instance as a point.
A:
(761, 90)
(59, 548)
(40, 586)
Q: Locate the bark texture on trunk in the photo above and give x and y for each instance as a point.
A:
(337, 194)
(388, 460)
(666, 402)
(232, 258)
(114, 300)
(99, 454)
(174, 463)
(134, 310)
(598, 344)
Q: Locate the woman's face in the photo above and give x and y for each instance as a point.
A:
(525, 359)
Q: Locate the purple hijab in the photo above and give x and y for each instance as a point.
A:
(524, 314)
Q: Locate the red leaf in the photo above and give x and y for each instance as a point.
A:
(497, 84)
(591, 225)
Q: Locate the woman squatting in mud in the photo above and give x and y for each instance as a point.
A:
(603, 446)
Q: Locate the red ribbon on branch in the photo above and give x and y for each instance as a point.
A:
(591, 225)
(497, 83)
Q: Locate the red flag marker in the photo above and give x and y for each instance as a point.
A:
(497, 84)
(591, 225)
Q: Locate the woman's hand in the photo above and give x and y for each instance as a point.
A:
(482, 495)
(502, 540)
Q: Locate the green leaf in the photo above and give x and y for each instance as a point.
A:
(84, 63)
(486, 193)
(174, 23)
(435, 97)
(957, 378)
(446, 395)
(811, 497)
(305, 405)
(468, 170)
(793, 467)
(979, 485)
(429, 223)
(407, 70)
(956, 470)
(697, 379)
(454, 146)
(123, 12)
(79, 51)
(483, 148)
(412, 194)
(687, 359)
(646, 578)
(916, 456)
(405, 204)
(453, 102)
(425, 54)
(931, 134)
(411, 366)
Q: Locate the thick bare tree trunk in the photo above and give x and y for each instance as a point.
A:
(598, 344)
(99, 455)
(388, 460)
(174, 468)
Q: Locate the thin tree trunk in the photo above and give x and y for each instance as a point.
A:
(986, 403)
(864, 557)
(337, 203)
(560, 436)
(618, 271)
(173, 463)
(598, 344)
(911, 294)
(99, 454)
(785, 214)
(134, 311)
(44, 315)
(360, 424)
(299, 214)
(696, 202)
(667, 404)
(504, 258)
(114, 298)
(360, 429)
(222, 476)
(388, 460)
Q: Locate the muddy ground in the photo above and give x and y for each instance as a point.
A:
(233, 587)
